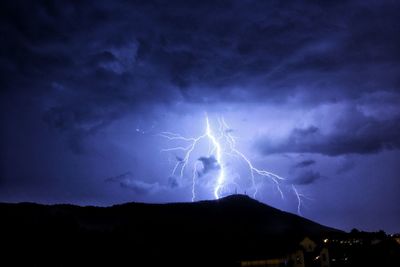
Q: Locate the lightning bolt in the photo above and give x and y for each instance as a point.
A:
(188, 149)
(253, 170)
(221, 144)
(299, 197)
(182, 164)
(218, 152)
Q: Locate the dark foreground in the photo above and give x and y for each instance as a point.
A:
(225, 232)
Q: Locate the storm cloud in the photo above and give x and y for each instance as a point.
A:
(306, 177)
(196, 52)
(209, 164)
(305, 163)
(127, 180)
(352, 133)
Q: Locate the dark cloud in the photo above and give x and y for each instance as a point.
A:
(173, 182)
(127, 180)
(306, 177)
(209, 164)
(353, 133)
(345, 166)
(305, 163)
(89, 64)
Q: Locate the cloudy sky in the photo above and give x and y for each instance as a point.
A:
(309, 91)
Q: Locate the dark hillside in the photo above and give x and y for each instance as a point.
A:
(221, 231)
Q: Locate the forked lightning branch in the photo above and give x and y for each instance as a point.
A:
(221, 146)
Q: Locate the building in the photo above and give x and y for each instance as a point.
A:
(309, 253)
(304, 253)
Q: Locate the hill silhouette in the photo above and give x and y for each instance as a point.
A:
(215, 232)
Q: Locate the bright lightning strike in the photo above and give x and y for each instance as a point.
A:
(218, 152)
(222, 144)
(298, 199)
(253, 170)
(188, 151)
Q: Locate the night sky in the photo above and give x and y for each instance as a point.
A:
(309, 90)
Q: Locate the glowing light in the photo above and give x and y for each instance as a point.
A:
(221, 144)
(299, 197)
(188, 149)
(218, 152)
(216, 147)
(252, 169)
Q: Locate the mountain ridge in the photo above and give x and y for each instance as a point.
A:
(231, 228)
